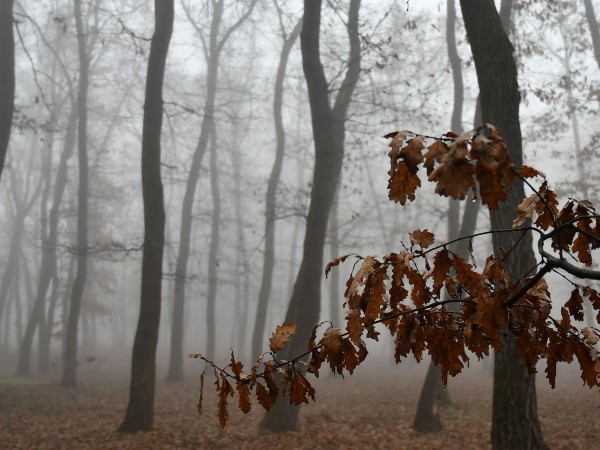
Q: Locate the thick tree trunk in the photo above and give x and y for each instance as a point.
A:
(328, 132)
(514, 420)
(7, 76)
(140, 409)
(269, 256)
(69, 377)
(590, 15)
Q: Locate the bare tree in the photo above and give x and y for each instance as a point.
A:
(140, 409)
(515, 423)
(271, 197)
(212, 51)
(328, 125)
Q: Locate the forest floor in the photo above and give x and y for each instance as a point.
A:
(363, 411)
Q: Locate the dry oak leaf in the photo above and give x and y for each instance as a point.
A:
(423, 238)
(335, 262)
(454, 174)
(402, 184)
(589, 336)
(494, 168)
(435, 153)
(525, 210)
(281, 336)
(412, 153)
(530, 172)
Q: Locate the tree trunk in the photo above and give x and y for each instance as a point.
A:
(7, 76)
(328, 132)
(215, 46)
(140, 409)
(590, 15)
(213, 250)
(269, 256)
(69, 377)
(427, 417)
(48, 264)
(514, 419)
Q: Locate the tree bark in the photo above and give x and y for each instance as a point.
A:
(271, 197)
(7, 76)
(140, 409)
(69, 377)
(328, 125)
(514, 419)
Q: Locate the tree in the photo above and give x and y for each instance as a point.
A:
(7, 76)
(70, 357)
(328, 123)
(514, 421)
(269, 256)
(140, 409)
(212, 52)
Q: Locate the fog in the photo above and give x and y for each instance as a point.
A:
(221, 137)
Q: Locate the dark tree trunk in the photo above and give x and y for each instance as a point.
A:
(593, 24)
(7, 76)
(69, 377)
(140, 409)
(335, 298)
(269, 256)
(328, 132)
(514, 419)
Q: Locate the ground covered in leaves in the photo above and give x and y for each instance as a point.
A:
(367, 410)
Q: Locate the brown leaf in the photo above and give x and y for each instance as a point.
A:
(435, 153)
(225, 391)
(402, 184)
(411, 154)
(281, 336)
(575, 305)
(441, 267)
(530, 172)
(494, 168)
(200, 398)
(454, 174)
(422, 238)
(244, 393)
(299, 389)
(335, 262)
(525, 210)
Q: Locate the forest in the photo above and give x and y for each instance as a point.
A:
(369, 224)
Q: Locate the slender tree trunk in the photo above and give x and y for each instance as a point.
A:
(328, 132)
(140, 409)
(269, 256)
(49, 262)
(335, 298)
(514, 419)
(215, 237)
(7, 76)
(69, 377)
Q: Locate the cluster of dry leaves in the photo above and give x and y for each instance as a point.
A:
(403, 291)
